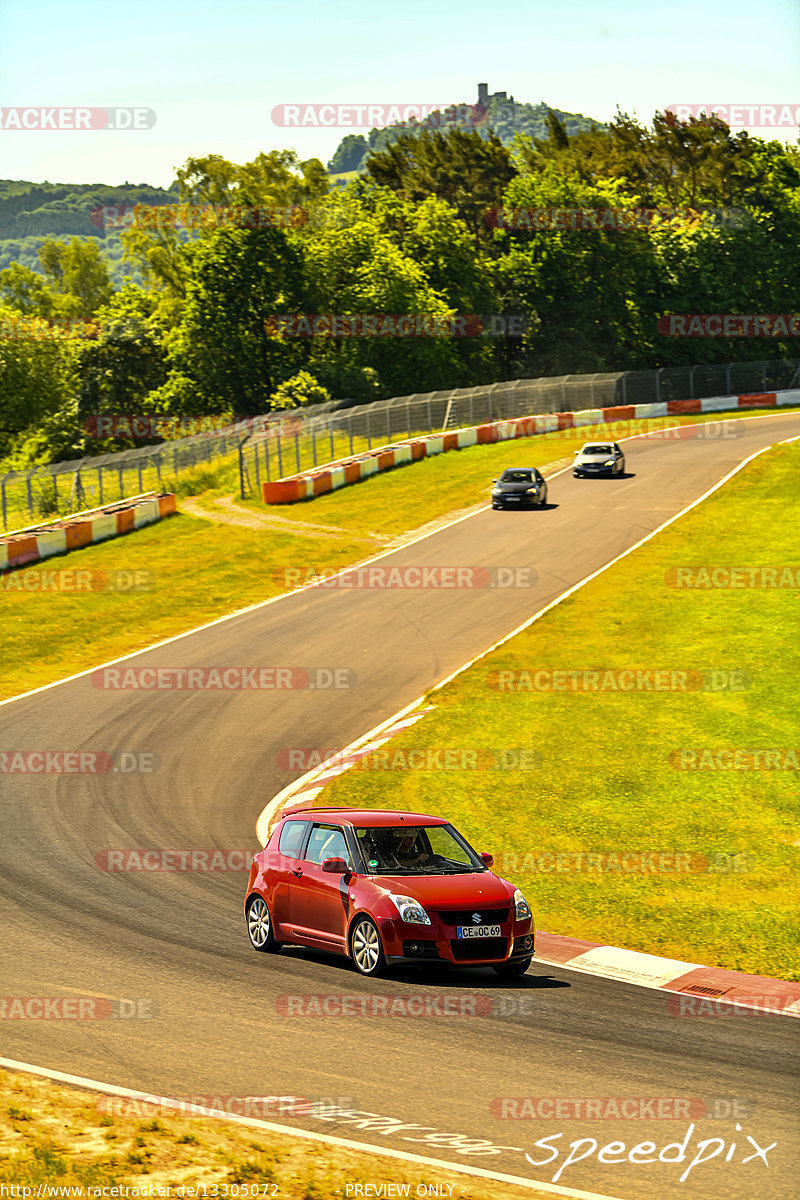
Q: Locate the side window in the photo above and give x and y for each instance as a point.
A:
(327, 841)
(291, 838)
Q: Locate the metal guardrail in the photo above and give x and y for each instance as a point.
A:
(281, 443)
(318, 437)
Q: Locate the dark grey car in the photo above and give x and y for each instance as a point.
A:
(599, 458)
(519, 487)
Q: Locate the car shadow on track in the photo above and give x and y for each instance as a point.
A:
(536, 509)
(456, 977)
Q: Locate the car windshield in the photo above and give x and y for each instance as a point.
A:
(416, 850)
(516, 476)
(597, 450)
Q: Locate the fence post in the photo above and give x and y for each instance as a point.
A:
(242, 469)
(369, 434)
(333, 448)
(658, 384)
(139, 474)
(408, 416)
(297, 449)
(313, 443)
(280, 455)
(30, 493)
(430, 418)
(350, 429)
(266, 458)
(3, 495)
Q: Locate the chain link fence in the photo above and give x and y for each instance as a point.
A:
(284, 443)
(332, 432)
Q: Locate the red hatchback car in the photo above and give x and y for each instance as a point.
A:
(385, 888)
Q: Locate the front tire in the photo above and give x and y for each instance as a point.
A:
(366, 949)
(259, 926)
(512, 970)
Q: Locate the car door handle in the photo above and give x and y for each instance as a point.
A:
(298, 872)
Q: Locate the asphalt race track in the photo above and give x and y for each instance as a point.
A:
(177, 940)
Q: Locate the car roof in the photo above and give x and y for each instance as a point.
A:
(595, 446)
(366, 816)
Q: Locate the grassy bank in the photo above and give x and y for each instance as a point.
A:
(56, 1135)
(630, 770)
(190, 571)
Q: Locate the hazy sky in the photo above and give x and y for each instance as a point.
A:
(213, 73)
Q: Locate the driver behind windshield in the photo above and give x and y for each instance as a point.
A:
(406, 851)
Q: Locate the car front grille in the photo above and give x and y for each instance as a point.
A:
(477, 948)
(463, 916)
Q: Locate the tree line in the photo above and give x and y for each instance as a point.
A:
(576, 243)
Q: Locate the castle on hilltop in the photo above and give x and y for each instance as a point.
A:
(484, 97)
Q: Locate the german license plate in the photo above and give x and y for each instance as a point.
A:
(479, 931)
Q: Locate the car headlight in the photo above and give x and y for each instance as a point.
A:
(523, 909)
(611, 462)
(496, 492)
(410, 910)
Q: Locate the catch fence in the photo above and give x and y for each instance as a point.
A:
(283, 443)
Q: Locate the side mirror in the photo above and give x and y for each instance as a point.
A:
(487, 858)
(494, 481)
(335, 866)
(577, 451)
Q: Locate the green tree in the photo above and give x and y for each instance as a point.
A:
(222, 356)
(466, 170)
(349, 154)
(77, 276)
(300, 390)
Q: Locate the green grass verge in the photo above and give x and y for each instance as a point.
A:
(606, 778)
(193, 571)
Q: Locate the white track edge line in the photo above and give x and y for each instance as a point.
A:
(309, 1134)
(306, 780)
(661, 987)
(239, 612)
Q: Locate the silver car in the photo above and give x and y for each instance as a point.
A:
(599, 458)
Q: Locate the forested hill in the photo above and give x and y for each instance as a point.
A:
(501, 115)
(30, 212)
